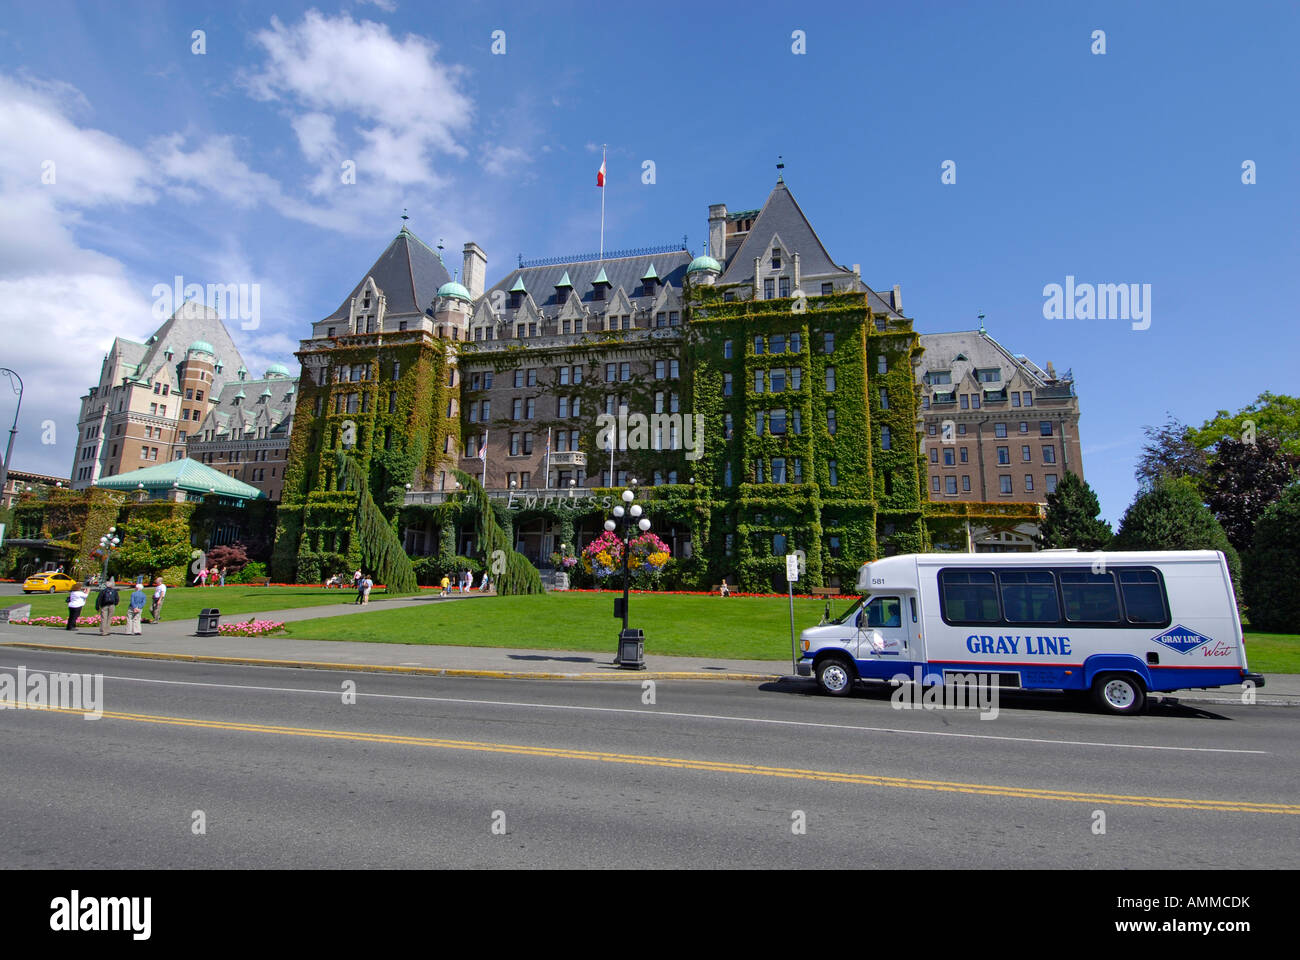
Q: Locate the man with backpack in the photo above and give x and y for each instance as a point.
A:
(105, 603)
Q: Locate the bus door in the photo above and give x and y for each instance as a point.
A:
(883, 631)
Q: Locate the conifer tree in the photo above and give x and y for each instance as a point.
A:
(381, 550)
(1071, 519)
(511, 572)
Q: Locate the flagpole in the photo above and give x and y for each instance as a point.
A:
(602, 203)
(548, 459)
(485, 440)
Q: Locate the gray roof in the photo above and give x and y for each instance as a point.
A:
(980, 350)
(408, 273)
(781, 216)
(624, 272)
(275, 413)
(191, 321)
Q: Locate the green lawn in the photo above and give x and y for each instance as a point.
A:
(184, 603)
(1273, 652)
(742, 628)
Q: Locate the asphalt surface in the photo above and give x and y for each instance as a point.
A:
(419, 770)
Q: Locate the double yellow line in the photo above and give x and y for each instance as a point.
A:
(712, 766)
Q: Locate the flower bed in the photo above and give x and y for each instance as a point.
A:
(63, 621)
(250, 628)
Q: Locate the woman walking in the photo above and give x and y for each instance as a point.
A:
(76, 601)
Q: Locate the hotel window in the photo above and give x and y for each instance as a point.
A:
(975, 401)
(525, 479)
(758, 346)
(784, 287)
(796, 421)
(726, 482)
(776, 258)
(934, 454)
(759, 418)
(659, 401)
(965, 484)
(727, 428)
(564, 376)
(353, 400)
(882, 364)
(778, 470)
(189, 393)
(949, 458)
(778, 422)
(674, 403)
(769, 289)
(528, 442)
(519, 378)
(530, 408)
(950, 485)
(726, 384)
(625, 371)
(627, 321)
(1044, 428)
(886, 440)
(674, 370)
(514, 444)
(392, 401)
(758, 471)
(516, 408)
(487, 410)
(388, 438)
(562, 441)
(1004, 455)
(884, 399)
(925, 403)
(777, 380)
(965, 402)
(880, 325)
(777, 343)
(564, 407)
(1050, 482)
(932, 429)
(365, 403)
(1049, 453)
(830, 379)
(934, 484)
(660, 369)
(532, 376)
(1025, 455)
(726, 350)
(834, 473)
(961, 429)
(827, 290)
(1004, 484)
(797, 471)
(830, 420)
(1000, 430)
(1029, 399)
(758, 381)
(144, 454)
(1024, 426)
(661, 319)
(1029, 483)
(828, 342)
(487, 381)
(1015, 399)
(577, 401)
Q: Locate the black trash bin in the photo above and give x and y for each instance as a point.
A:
(209, 620)
(631, 649)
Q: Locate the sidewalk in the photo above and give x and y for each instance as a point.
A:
(175, 640)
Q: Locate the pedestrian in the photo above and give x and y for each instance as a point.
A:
(222, 573)
(105, 603)
(366, 584)
(356, 578)
(159, 594)
(202, 577)
(446, 586)
(723, 589)
(135, 609)
(486, 583)
(76, 601)
(359, 582)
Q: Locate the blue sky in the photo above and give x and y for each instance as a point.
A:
(224, 167)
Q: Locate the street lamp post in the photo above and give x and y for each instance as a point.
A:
(631, 643)
(9, 447)
(107, 544)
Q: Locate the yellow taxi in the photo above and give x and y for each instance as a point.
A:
(48, 582)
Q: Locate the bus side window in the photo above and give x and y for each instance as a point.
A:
(912, 601)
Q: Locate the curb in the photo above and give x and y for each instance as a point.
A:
(417, 671)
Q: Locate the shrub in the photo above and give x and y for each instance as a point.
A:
(1273, 565)
(174, 576)
(250, 572)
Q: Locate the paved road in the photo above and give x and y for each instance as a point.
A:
(712, 774)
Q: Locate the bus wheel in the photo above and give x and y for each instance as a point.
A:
(1120, 693)
(835, 677)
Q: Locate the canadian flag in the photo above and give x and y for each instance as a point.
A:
(600, 174)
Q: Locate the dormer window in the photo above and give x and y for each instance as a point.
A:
(776, 258)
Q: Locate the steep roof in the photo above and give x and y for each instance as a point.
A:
(781, 216)
(624, 272)
(192, 321)
(188, 475)
(980, 351)
(408, 273)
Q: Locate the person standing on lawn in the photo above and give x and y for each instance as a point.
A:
(446, 586)
(105, 603)
(359, 581)
(135, 608)
(221, 574)
(159, 593)
(76, 601)
(366, 584)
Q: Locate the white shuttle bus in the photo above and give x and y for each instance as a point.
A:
(1115, 624)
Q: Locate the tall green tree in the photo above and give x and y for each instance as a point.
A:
(381, 550)
(1270, 415)
(1171, 516)
(1072, 517)
(151, 546)
(1170, 451)
(1273, 565)
(1243, 479)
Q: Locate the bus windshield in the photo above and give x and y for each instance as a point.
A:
(851, 612)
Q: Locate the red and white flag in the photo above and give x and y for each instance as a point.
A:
(600, 174)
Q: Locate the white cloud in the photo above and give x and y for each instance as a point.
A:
(397, 90)
(501, 161)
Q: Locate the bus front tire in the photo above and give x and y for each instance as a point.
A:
(835, 677)
(1119, 693)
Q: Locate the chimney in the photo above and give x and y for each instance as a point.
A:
(475, 270)
(718, 232)
(898, 299)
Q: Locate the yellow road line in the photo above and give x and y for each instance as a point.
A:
(711, 766)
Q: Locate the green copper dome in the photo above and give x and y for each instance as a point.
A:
(704, 262)
(201, 346)
(454, 290)
(277, 370)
